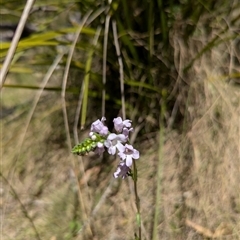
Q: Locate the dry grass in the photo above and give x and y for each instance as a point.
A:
(200, 181)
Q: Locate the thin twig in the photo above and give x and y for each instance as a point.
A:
(65, 77)
(15, 41)
(115, 35)
(105, 42)
(77, 115)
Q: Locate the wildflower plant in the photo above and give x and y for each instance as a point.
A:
(101, 139)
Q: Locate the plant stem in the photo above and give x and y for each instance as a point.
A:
(137, 200)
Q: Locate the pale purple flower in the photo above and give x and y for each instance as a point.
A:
(126, 131)
(128, 154)
(119, 124)
(99, 127)
(100, 148)
(114, 142)
(122, 171)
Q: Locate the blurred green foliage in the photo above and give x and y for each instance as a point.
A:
(146, 34)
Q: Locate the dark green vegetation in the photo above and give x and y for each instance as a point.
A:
(179, 63)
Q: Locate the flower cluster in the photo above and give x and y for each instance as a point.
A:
(100, 139)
